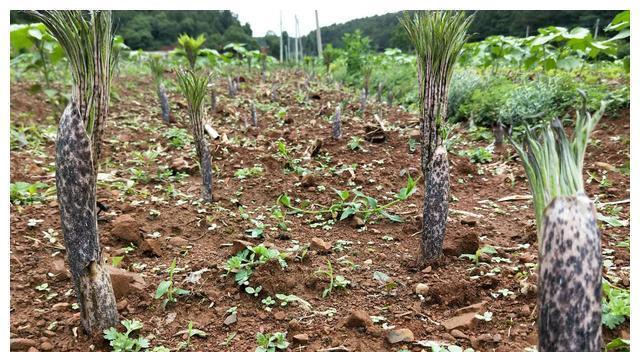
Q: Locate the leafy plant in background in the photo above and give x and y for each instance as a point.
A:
(190, 47)
(616, 306)
(157, 70)
(26, 193)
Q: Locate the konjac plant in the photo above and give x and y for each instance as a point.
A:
(157, 70)
(87, 43)
(194, 87)
(570, 259)
(438, 37)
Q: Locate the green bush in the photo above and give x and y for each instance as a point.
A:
(486, 101)
(463, 84)
(538, 100)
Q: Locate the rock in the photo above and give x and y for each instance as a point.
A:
(358, 319)
(122, 305)
(422, 289)
(525, 311)
(465, 317)
(460, 242)
(46, 346)
(459, 334)
(416, 134)
(21, 344)
(526, 258)
(150, 246)
(125, 282)
(400, 335)
(62, 306)
(32, 349)
(301, 339)
(231, 319)
(308, 180)
(294, 325)
(178, 241)
(280, 315)
(319, 245)
(240, 245)
(126, 228)
(180, 165)
(59, 269)
(357, 222)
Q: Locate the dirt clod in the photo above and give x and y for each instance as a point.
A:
(126, 228)
(400, 335)
(358, 319)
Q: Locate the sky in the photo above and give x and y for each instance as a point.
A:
(263, 20)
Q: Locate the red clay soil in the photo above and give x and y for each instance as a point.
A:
(46, 318)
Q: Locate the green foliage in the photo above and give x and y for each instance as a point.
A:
(178, 137)
(356, 51)
(167, 289)
(615, 305)
(479, 155)
(355, 143)
(329, 55)
(156, 66)
(255, 170)
(194, 87)
(123, 342)
(271, 342)
(360, 204)
(463, 84)
(475, 257)
(552, 162)
(335, 281)
(191, 47)
(486, 101)
(244, 262)
(27, 193)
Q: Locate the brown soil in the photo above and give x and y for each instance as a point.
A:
(392, 248)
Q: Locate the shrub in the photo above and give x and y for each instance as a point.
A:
(486, 101)
(463, 84)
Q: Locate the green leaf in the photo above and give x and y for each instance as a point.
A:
(344, 195)
(392, 217)
(162, 289)
(110, 334)
(181, 292)
(347, 212)
(284, 200)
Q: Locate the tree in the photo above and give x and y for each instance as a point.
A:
(438, 38)
(87, 43)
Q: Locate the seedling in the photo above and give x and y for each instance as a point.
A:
(256, 170)
(123, 342)
(337, 281)
(475, 258)
(360, 204)
(244, 262)
(271, 342)
(166, 288)
(478, 155)
(355, 143)
(191, 332)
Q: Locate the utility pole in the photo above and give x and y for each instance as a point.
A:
(595, 30)
(281, 35)
(318, 36)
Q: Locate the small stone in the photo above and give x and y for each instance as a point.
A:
(459, 334)
(357, 222)
(178, 241)
(124, 282)
(319, 245)
(400, 335)
(180, 165)
(465, 317)
(122, 305)
(46, 346)
(308, 180)
(358, 319)
(59, 269)
(126, 228)
(525, 311)
(231, 319)
(151, 246)
(62, 306)
(605, 166)
(280, 315)
(294, 325)
(301, 339)
(21, 344)
(32, 349)
(422, 289)
(368, 262)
